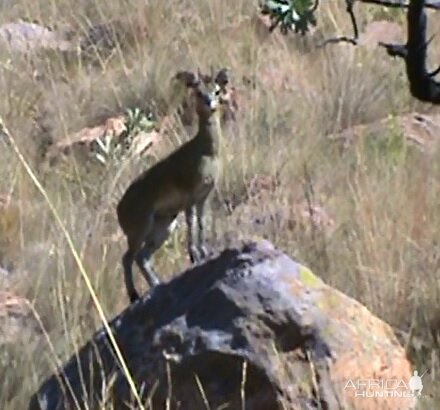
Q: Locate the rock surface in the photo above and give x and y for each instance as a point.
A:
(17, 320)
(419, 130)
(23, 37)
(382, 31)
(302, 342)
(84, 143)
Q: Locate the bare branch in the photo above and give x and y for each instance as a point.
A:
(421, 82)
(395, 50)
(435, 72)
(400, 50)
(392, 49)
(422, 85)
(341, 39)
(315, 6)
(344, 39)
(435, 5)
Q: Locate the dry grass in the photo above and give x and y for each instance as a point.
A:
(383, 196)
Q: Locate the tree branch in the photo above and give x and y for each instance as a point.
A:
(395, 50)
(435, 5)
(421, 82)
(392, 49)
(422, 85)
(344, 39)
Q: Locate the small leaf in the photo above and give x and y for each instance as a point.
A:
(101, 158)
(101, 145)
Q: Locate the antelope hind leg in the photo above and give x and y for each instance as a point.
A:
(135, 239)
(162, 228)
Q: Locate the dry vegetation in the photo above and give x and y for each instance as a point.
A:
(382, 194)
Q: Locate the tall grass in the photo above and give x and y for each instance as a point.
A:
(382, 194)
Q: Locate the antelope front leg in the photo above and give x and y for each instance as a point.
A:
(200, 209)
(192, 249)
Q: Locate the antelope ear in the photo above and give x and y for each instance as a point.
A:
(204, 78)
(187, 78)
(222, 77)
(195, 82)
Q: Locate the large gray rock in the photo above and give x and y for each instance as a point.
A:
(24, 37)
(301, 341)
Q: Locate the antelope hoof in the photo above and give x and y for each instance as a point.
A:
(150, 276)
(133, 297)
(203, 252)
(194, 255)
(153, 281)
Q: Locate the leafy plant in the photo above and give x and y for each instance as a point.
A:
(107, 148)
(138, 121)
(390, 147)
(297, 15)
(112, 148)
